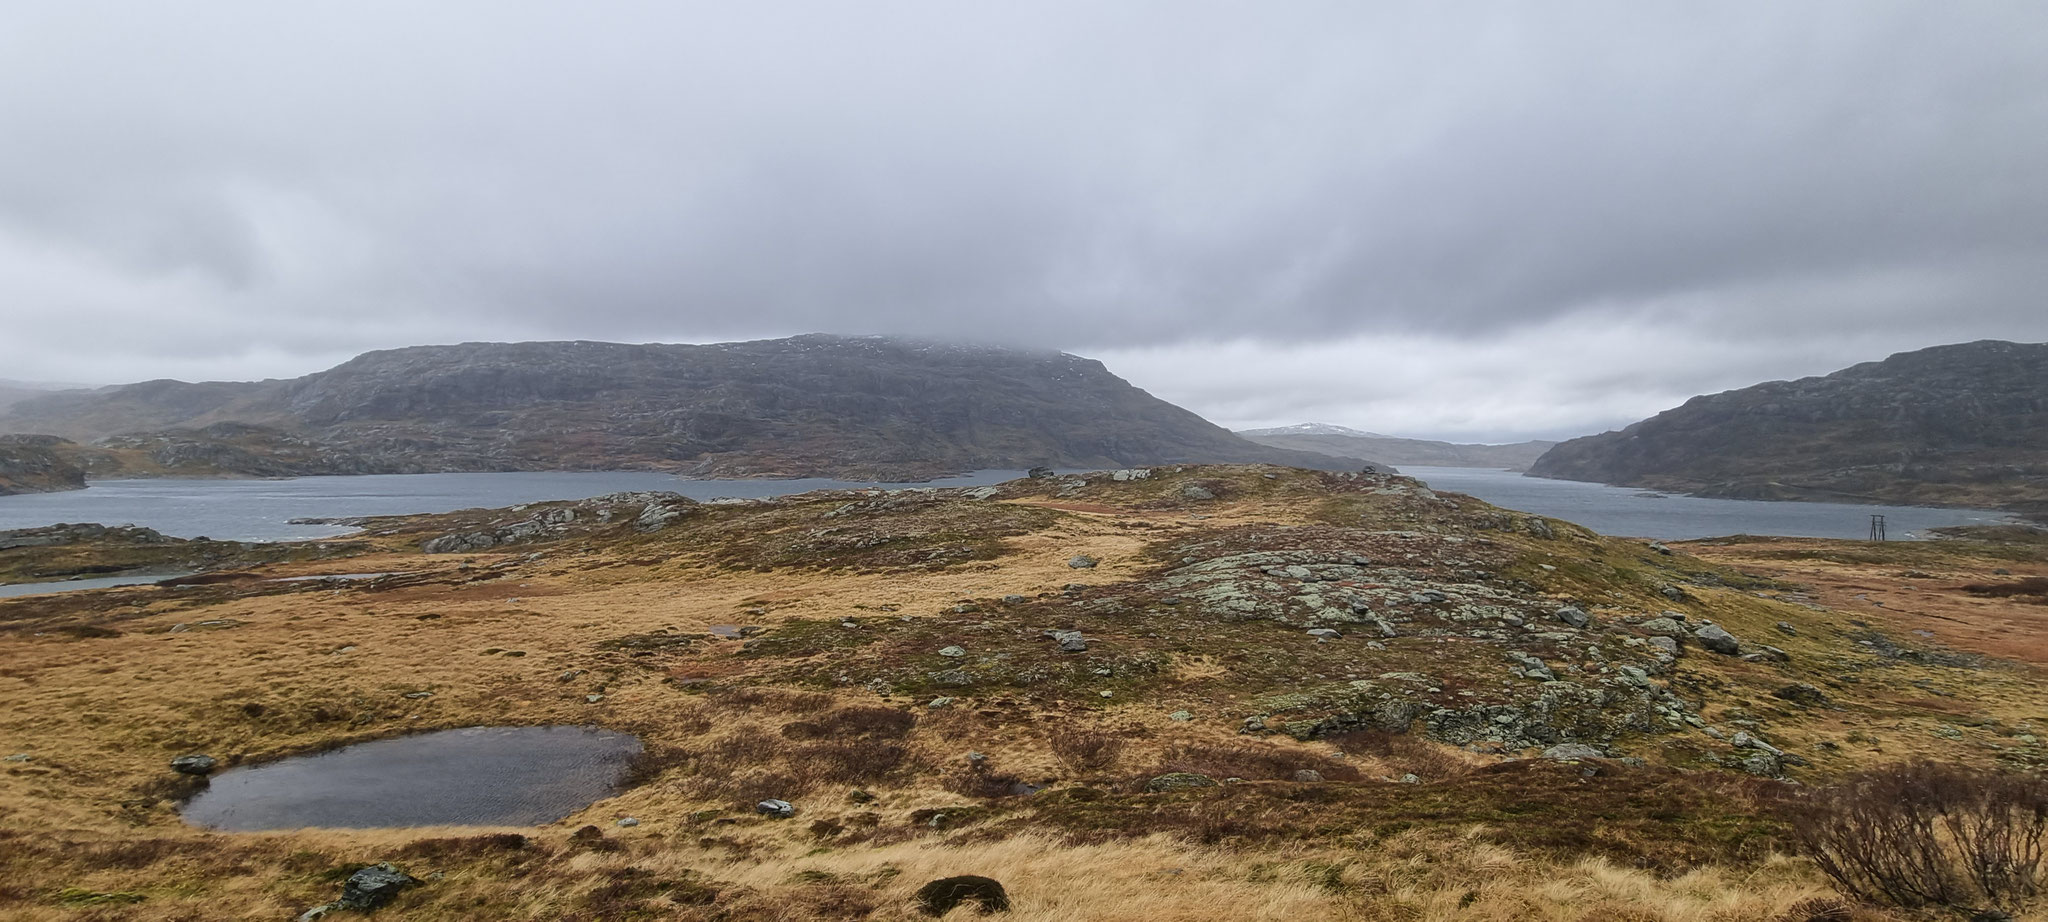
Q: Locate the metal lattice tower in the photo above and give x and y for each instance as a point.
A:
(1877, 528)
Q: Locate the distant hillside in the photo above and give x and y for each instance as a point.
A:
(808, 405)
(1339, 440)
(38, 464)
(13, 392)
(1964, 425)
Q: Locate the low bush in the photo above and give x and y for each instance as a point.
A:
(1251, 761)
(1086, 751)
(1927, 834)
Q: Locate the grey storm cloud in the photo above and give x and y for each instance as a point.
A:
(228, 189)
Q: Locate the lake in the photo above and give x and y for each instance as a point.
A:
(1634, 512)
(262, 510)
(477, 776)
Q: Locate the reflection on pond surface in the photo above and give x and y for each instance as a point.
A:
(482, 776)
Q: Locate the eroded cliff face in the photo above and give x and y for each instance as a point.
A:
(807, 405)
(1964, 424)
(38, 464)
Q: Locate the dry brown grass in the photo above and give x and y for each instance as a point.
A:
(1434, 876)
(102, 705)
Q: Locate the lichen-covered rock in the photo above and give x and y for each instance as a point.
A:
(1665, 626)
(1178, 781)
(372, 887)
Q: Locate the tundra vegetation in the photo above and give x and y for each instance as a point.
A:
(1267, 693)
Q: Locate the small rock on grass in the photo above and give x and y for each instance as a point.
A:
(1178, 781)
(194, 764)
(1081, 562)
(779, 809)
(1714, 638)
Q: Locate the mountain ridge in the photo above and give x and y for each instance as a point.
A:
(813, 405)
(1964, 424)
(1391, 449)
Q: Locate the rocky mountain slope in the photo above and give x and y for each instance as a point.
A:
(1963, 424)
(808, 405)
(38, 464)
(1339, 440)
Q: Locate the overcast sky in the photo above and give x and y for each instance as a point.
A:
(1465, 220)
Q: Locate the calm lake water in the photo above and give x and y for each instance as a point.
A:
(261, 510)
(478, 776)
(1634, 512)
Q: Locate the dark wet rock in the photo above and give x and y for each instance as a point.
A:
(1803, 693)
(948, 893)
(194, 765)
(1714, 638)
(372, 887)
(778, 809)
(1178, 781)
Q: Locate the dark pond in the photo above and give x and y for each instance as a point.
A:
(73, 585)
(477, 776)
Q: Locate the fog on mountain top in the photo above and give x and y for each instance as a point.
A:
(1480, 221)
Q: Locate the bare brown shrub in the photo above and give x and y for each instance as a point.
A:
(1251, 761)
(466, 846)
(1403, 752)
(1818, 909)
(856, 721)
(1927, 834)
(1085, 751)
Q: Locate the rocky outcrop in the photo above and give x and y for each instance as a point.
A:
(1352, 443)
(39, 464)
(647, 511)
(809, 405)
(1958, 425)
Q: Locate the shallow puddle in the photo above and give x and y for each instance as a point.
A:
(75, 585)
(477, 776)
